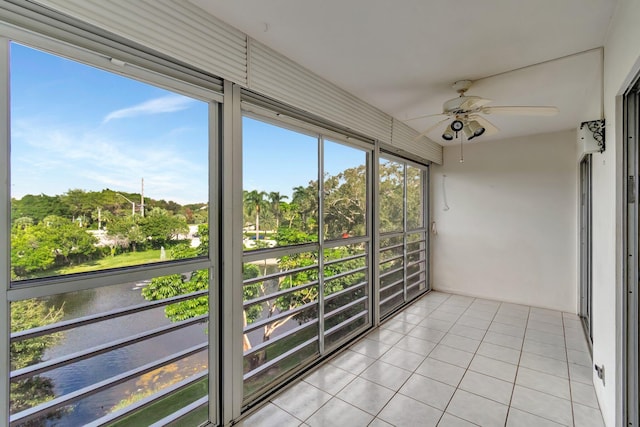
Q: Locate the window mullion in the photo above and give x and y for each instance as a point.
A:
(4, 220)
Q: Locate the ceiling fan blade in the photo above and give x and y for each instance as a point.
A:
(489, 128)
(521, 111)
(474, 102)
(424, 117)
(430, 128)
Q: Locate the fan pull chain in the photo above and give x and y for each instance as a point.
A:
(461, 152)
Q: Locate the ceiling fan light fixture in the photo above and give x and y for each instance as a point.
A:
(448, 134)
(468, 133)
(476, 128)
(456, 125)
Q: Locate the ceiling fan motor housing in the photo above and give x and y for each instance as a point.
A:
(457, 105)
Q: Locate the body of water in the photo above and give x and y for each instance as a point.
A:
(90, 371)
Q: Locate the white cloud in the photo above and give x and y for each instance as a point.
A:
(53, 160)
(165, 104)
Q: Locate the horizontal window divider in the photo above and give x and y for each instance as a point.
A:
(352, 288)
(390, 272)
(390, 247)
(182, 412)
(44, 287)
(386, 260)
(418, 262)
(396, 283)
(278, 274)
(287, 334)
(346, 273)
(278, 112)
(95, 318)
(349, 258)
(415, 251)
(414, 285)
(148, 401)
(330, 244)
(417, 273)
(418, 230)
(51, 405)
(345, 307)
(275, 360)
(346, 322)
(278, 251)
(256, 325)
(278, 294)
(392, 296)
(49, 365)
(391, 234)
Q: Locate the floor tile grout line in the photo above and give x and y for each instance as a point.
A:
(515, 379)
(467, 368)
(573, 416)
(448, 331)
(395, 392)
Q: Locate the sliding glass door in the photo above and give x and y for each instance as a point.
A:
(306, 240)
(403, 238)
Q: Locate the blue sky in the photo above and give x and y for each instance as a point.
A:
(77, 127)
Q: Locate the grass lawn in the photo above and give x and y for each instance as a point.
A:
(169, 405)
(122, 260)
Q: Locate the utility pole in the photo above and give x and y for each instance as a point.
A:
(142, 198)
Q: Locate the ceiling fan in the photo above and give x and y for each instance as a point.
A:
(466, 114)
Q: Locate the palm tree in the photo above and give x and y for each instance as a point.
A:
(307, 200)
(275, 198)
(254, 202)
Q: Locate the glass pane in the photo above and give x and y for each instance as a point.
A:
(281, 316)
(416, 264)
(158, 349)
(346, 288)
(415, 198)
(280, 182)
(391, 190)
(106, 171)
(345, 191)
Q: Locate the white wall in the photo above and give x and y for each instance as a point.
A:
(622, 53)
(511, 228)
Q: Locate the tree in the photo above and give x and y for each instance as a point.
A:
(345, 203)
(391, 197)
(254, 202)
(29, 392)
(306, 198)
(160, 227)
(55, 241)
(177, 284)
(276, 199)
(38, 206)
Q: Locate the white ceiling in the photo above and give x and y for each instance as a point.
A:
(402, 56)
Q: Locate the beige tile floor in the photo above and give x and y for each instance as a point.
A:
(451, 361)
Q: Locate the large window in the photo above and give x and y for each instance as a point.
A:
(306, 267)
(109, 244)
(124, 215)
(403, 267)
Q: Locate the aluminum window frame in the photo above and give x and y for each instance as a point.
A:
(300, 124)
(36, 288)
(385, 154)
